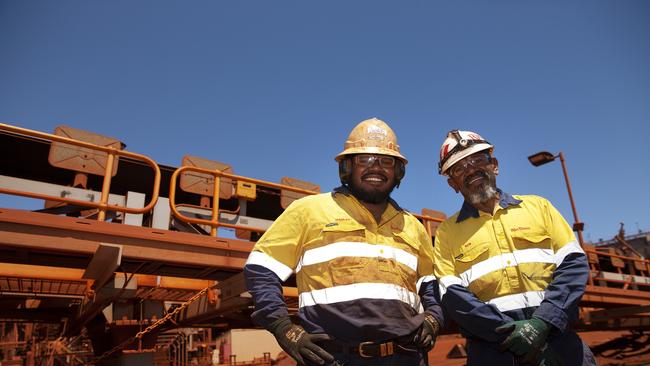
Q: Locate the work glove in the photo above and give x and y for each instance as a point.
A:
(425, 336)
(526, 337)
(299, 344)
(548, 357)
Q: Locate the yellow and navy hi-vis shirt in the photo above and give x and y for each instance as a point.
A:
(357, 279)
(522, 259)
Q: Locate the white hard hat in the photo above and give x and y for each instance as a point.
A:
(458, 145)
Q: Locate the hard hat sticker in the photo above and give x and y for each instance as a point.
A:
(376, 133)
(377, 130)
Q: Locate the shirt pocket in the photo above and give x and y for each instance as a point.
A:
(345, 269)
(342, 231)
(466, 257)
(528, 239)
(350, 270)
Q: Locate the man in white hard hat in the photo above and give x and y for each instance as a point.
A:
(510, 270)
(363, 266)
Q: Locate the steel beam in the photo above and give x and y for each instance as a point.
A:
(607, 314)
(38, 315)
(103, 264)
(600, 296)
(28, 231)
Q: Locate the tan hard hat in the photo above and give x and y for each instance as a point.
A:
(372, 136)
(458, 145)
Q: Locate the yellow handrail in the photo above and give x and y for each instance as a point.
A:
(218, 174)
(103, 204)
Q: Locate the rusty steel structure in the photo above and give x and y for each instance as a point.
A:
(122, 252)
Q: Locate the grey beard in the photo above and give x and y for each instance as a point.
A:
(483, 195)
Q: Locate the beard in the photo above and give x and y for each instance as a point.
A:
(370, 195)
(483, 192)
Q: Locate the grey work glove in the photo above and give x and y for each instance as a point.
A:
(299, 344)
(526, 337)
(425, 336)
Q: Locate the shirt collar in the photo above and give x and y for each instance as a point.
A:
(346, 191)
(467, 211)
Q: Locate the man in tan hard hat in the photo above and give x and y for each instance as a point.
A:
(511, 272)
(363, 266)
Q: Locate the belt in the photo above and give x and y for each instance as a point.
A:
(370, 349)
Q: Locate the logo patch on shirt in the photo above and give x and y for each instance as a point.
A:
(459, 256)
(520, 228)
(332, 224)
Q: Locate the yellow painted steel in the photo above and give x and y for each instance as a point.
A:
(246, 190)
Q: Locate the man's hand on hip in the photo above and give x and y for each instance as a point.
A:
(425, 336)
(299, 344)
(526, 337)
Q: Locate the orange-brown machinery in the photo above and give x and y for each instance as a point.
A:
(122, 243)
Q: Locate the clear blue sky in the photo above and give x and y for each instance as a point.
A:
(274, 87)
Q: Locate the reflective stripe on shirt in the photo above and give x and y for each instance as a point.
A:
(506, 258)
(356, 249)
(265, 260)
(447, 281)
(571, 247)
(518, 301)
(356, 291)
(351, 268)
(502, 261)
(422, 280)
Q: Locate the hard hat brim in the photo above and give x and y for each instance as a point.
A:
(463, 154)
(370, 150)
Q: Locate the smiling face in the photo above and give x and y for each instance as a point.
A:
(372, 183)
(475, 177)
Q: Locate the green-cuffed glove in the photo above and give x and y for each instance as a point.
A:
(425, 337)
(299, 344)
(526, 337)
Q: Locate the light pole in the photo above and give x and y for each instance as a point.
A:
(544, 157)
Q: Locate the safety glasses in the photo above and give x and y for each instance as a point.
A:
(366, 160)
(476, 160)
